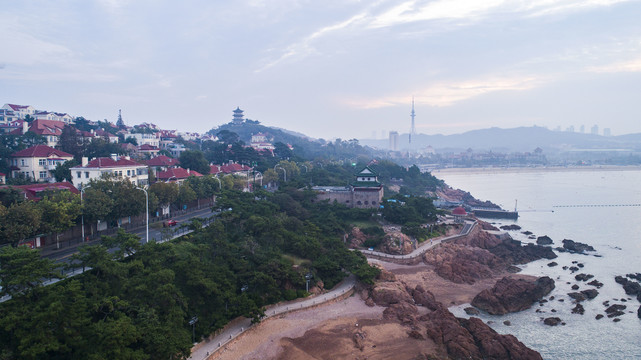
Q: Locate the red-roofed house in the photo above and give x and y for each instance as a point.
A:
(20, 110)
(146, 150)
(37, 162)
(231, 168)
(177, 175)
(162, 163)
(50, 129)
(35, 191)
(116, 167)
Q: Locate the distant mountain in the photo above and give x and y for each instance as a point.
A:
(519, 139)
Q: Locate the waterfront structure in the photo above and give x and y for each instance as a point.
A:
(238, 117)
(365, 192)
(116, 167)
(37, 162)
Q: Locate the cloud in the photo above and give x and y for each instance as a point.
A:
(618, 67)
(449, 93)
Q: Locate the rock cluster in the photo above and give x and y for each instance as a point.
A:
(511, 295)
(463, 264)
(455, 338)
(510, 227)
(575, 247)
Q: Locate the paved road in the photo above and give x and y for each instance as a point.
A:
(154, 235)
(238, 326)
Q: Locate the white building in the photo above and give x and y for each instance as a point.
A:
(142, 139)
(37, 162)
(116, 167)
(20, 110)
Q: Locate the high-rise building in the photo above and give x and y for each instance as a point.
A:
(582, 129)
(393, 140)
(595, 130)
(607, 132)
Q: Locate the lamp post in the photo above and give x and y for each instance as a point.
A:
(261, 177)
(308, 277)
(147, 207)
(193, 322)
(305, 167)
(220, 185)
(82, 190)
(284, 171)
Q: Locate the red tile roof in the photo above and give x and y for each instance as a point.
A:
(47, 127)
(162, 160)
(147, 147)
(41, 151)
(228, 168)
(15, 107)
(34, 191)
(107, 162)
(177, 173)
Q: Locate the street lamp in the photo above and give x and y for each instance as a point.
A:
(147, 207)
(284, 171)
(305, 167)
(220, 185)
(193, 322)
(308, 277)
(261, 177)
(82, 190)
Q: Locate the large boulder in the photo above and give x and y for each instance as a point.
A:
(423, 298)
(386, 294)
(463, 264)
(512, 295)
(495, 346)
(396, 243)
(576, 247)
(544, 240)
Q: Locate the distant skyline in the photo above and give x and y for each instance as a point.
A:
(329, 69)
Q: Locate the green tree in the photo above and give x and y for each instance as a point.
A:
(126, 244)
(59, 212)
(21, 221)
(194, 160)
(22, 270)
(185, 195)
(70, 141)
(62, 172)
(166, 193)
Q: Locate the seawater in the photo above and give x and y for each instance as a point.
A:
(615, 233)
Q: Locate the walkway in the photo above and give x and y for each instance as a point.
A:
(469, 225)
(208, 347)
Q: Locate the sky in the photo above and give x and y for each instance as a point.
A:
(329, 69)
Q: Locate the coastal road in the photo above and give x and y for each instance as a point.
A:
(235, 328)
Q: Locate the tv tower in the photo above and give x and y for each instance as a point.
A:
(413, 114)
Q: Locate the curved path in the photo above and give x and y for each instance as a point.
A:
(468, 226)
(208, 347)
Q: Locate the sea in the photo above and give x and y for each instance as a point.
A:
(599, 207)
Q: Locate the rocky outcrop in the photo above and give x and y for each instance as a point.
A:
(486, 225)
(512, 295)
(615, 310)
(356, 238)
(423, 298)
(512, 251)
(576, 247)
(552, 321)
(630, 287)
(544, 240)
(639, 312)
(396, 243)
(511, 227)
(463, 264)
(472, 339)
(386, 294)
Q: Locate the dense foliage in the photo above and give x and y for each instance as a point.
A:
(136, 303)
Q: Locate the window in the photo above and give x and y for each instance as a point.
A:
(43, 174)
(359, 202)
(86, 174)
(128, 172)
(42, 162)
(78, 174)
(366, 202)
(21, 162)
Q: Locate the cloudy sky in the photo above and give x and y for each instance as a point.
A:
(332, 68)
